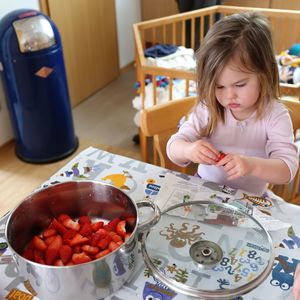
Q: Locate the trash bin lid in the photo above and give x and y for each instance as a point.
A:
(208, 250)
(34, 33)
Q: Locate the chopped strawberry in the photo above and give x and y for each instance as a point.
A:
(62, 217)
(49, 240)
(113, 223)
(38, 257)
(49, 232)
(113, 246)
(52, 251)
(221, 156)
(95, 238)
(28, 253)
(58, 263)
(69, 223)
(90, 250)
(102, 253)
(102, 232)
(130, 223)
(77, 249)
(96, 226)
(69, 234)
(39, 244)
(86, 229)
(121, 229)
(78, 239)
(80, 258)
(108, 238)
(116, 238)
(59, 227)
(84, 220)
(103, 244)
(65, 253)
(127, 236)
(119, 243)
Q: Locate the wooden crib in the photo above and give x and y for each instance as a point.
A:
(172, 30)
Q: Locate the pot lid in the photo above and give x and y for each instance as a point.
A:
(208, 250)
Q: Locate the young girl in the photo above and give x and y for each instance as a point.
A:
(296, 286)
(238, 112)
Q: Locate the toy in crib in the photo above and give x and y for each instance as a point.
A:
(289, 65)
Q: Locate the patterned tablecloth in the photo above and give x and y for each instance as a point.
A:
(140, 181)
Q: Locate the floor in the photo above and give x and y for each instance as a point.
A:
(107, 116)
(105, 120)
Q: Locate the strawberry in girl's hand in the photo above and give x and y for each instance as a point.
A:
(221, 156)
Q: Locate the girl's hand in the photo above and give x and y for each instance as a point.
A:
(202, 152)
(236, 166)
(296, 287)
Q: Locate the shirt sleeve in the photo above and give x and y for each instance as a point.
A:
(189, 131)
(280, 138)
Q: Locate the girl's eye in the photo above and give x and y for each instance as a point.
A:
(219, 87)
(240, 85)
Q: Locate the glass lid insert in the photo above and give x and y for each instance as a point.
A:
(207, 249)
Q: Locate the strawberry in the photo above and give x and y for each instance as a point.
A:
(221, 156)
(113, 224)
(116, 238)
(38, 257)
(84, 220)
(113, 246)
(69, 223)
(121, 229)
(95, 238)
(49, 232)
(102, 253)
(130, 223)
(62, 217)
(86, 229)
(65, 253)
(52, 251)
(49, 240)
(59, 227)
(58, 263)
(103, 244)
(80, 258)
(78, 239)
(96, 226)
(90, 250)
(39, 244)
(69, 234)
(28, 253)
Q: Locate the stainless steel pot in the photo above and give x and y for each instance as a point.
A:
(93, 280)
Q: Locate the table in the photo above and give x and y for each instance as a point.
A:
(145, 181)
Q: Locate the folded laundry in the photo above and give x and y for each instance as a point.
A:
(160, 50)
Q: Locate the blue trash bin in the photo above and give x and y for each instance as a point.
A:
(34, 79)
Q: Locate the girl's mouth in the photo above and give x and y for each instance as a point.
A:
(233, 105)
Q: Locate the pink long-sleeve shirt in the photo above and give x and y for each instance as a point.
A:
(268, 137)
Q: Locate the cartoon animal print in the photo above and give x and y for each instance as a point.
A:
(157, 292)
(79, 172)
(118, 180)
(180, 237)
(283, 272)
(260, 201)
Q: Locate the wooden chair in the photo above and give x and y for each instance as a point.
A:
(289, 192)
(160, 122)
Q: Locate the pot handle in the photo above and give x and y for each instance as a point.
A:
(154, 220)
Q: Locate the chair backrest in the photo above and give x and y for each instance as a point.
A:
(160, 122)
(294, 110)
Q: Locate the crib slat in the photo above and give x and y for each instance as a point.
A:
(183, 33)
(154, 89)
(164, 35)
(193, 33)
(174, 33)
(154, 39)
(170, 88)
(201, 28)
(187, 83)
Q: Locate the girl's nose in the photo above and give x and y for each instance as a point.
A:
(230, 93)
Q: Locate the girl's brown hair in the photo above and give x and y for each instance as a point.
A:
(247, 36)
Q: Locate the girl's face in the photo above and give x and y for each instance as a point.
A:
(237, 90)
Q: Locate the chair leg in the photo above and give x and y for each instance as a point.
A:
(143, 146)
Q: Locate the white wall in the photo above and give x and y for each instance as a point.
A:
(128, 12)
(5, 127)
